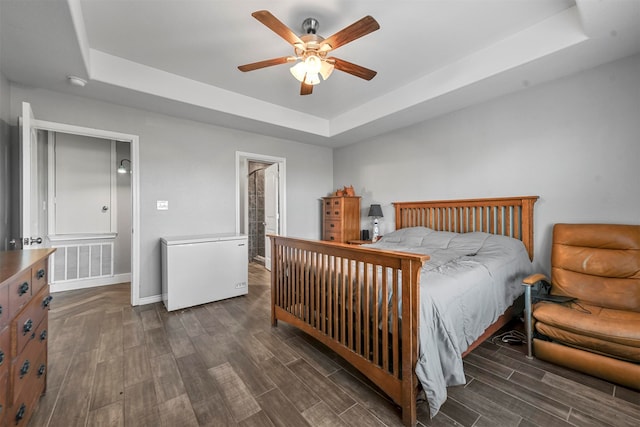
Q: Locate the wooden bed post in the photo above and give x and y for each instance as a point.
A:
(410, 329)
(527, 223)
(275, 264)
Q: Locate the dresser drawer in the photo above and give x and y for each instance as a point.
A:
(24, 405)
(5, 351)
(4, 397)
(19, 292)
(333, 225)
(26, 368)
(28, 321)
(38, 276)
(332, 236)
(4, 306)
(332, 207)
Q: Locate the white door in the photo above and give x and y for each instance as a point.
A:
(29, 204)
(84, 186)
(271, 211)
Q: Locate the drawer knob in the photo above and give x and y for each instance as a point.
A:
(332, 225)
(337, 212)
(1, 357)
(23, 289)
(20, 413)
(41, 273)
(25, 368)
(46, 301)
(28, 325)
(43, 335)
(41, 370)
(331, 238)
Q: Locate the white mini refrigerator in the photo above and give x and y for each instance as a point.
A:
(201, 269)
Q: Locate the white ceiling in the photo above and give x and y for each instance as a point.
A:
(180, 57)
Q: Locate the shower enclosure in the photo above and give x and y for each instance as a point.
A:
(256, 233)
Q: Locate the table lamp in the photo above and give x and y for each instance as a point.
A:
(375, 211)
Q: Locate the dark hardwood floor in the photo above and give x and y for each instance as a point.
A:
(222, 364)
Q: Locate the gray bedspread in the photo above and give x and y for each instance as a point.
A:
(467, 284)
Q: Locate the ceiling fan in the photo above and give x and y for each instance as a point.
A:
(310, 50)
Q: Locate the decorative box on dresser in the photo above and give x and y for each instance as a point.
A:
(340, 218)
(24, 307)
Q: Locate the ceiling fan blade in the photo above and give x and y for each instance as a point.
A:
(354, 31)
(306, 89)
(275, 25)
(356, 70)
(266, 63)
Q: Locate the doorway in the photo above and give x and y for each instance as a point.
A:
(255, 207)
(260, 202)
(30, 126)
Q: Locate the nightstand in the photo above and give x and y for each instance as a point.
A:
(359, 242)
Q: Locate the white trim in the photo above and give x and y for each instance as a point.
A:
(134, 140)
(74, 237)
(150, 300)
(135, 219)
(72, 285)
(113, 189)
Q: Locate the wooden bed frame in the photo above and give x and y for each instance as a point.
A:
(328, 291)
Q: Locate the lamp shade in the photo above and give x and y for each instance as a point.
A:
(375, 210)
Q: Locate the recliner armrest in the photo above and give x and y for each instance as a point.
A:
(535, 278)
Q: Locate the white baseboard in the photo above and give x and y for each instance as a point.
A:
(150, 300)
(71, 285)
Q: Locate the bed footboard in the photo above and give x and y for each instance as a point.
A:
(360, 302)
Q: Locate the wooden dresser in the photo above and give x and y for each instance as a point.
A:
(340, 218)
(24, 307)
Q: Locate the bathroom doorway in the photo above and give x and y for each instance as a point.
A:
(260, 202)
(255, 208)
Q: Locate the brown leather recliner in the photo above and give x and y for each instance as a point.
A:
(599, 332)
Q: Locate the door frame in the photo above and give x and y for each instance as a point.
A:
(267, 219)
(134, 142)
(242, 159)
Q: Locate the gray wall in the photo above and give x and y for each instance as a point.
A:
(574, 142)
(122, 244)
(192, 165)
(5, 171)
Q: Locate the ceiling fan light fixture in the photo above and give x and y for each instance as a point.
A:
(299, 71)
(310, 50)
(313, 64)
(326, 69)
(310, 69)
(312, 79)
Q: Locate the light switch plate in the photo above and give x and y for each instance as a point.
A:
(162, 205)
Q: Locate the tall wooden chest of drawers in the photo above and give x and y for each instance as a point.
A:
(24, 307)
(340, 218)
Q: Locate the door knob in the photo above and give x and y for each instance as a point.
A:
(105, 208)
(31, 240)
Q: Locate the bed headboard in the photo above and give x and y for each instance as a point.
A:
(507, 216)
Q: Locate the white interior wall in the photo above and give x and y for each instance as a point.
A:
(574, 142)
(191, 165)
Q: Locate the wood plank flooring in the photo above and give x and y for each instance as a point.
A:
(222, 364)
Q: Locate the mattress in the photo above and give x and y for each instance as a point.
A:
(468, 282)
